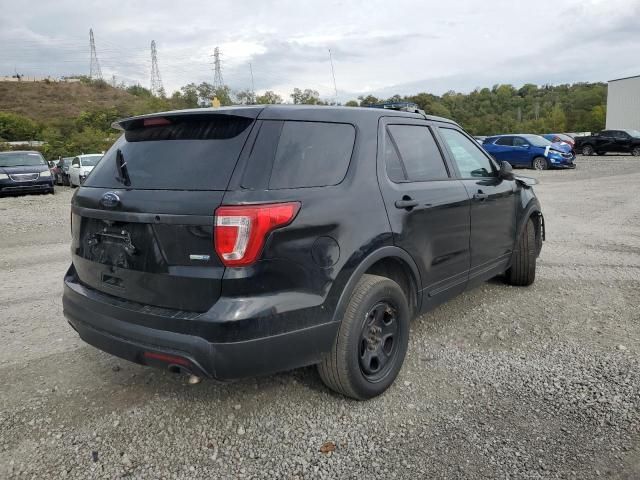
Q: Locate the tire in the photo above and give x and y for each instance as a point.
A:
(362, 363)
(540, 163)
(52, 191)
(635, 151)
(587, 150)
(523, 267)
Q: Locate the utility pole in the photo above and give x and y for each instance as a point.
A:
(218, 82)
(156, 82)
(253, 87)
(95, 73)
(333, 74)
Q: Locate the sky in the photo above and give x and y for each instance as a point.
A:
(378, 47)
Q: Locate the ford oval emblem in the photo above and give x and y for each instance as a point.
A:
(110, 200)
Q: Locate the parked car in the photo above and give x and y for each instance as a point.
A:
(610, 141)
(531, 151)
(480, 139)
(24, 171)
(81, 166)
(227, 243)
(61, 171)
(560, 138)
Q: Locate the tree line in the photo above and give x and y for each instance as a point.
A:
(579, 107)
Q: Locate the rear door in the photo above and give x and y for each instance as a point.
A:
(503, 150)
(493, 205)
(428, 210)
(605, 142)
(142, 222)
(521, 152)
(622, 141)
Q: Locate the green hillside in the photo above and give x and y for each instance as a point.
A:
(49, 102)
(76, 117)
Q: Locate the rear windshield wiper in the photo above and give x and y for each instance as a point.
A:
(123, 173)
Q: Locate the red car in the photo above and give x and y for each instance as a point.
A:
(560, 138)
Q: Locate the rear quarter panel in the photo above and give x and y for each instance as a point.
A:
(335, 229)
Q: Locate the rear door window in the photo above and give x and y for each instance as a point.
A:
(505, 141)
(417, 157)
(293, 154)
(185, 152)
(620, 135)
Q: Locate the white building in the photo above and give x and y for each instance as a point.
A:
(623, 103)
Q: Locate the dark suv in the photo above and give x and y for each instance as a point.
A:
(232, 242)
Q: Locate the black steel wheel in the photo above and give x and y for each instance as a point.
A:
(372, 341)
(378, 341)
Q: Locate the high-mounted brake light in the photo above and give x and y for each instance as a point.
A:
(240, 231)
(154, 122)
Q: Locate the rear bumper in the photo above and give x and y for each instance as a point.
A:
(130, 330)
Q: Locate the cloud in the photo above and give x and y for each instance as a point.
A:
(377, 46)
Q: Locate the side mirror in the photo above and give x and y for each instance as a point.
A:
(506, 171)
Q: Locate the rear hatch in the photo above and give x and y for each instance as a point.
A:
(142, 223)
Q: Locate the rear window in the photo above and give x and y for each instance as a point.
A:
(187, 152)
(293, 154)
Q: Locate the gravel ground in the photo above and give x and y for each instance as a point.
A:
(502, 382)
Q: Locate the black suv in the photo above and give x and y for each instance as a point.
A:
(610, 141)
(232, 242)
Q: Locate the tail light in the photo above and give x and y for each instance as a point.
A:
(240, 231)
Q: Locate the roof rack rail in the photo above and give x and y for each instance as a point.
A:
(400, 106)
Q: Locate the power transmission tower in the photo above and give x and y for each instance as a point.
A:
(218, 82)
(95, 73)
(333, 74)
(253, 86)
(156, 82)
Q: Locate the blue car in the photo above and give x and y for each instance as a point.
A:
(532, 151)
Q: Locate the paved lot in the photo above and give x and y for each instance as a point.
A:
(503, 382)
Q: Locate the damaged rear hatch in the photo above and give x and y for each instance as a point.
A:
(142, 223)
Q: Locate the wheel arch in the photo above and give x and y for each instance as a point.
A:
(391, 262)
(532, 211)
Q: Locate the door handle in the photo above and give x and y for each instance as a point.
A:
(407, 203)
(480, 196)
